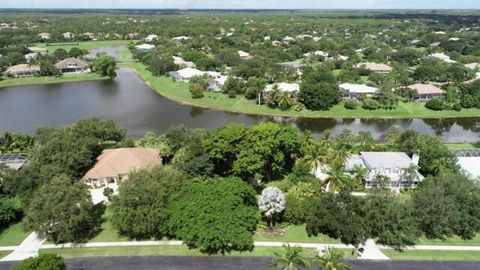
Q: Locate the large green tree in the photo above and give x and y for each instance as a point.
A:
(105, 65)
(319, 96)
(62, 211)
(141, 209)
(215, 216)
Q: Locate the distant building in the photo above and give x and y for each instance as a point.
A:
(296, 65)
(216, 84)
(292, 88)
(89, 35)
(23, 70)
(44, 36)
(181, 38)
(357, 90)
(387, 169)
(14, 161)
(144, 47)
(184, 75)
(443, 57)
(426, 91)
(375, 67)
(68, 35)
(182, 63)
(30, 56)
(244, 55)
(316, 53)
(469, 161)
(473, 66)
(114, 165)
(72, 65)
(151, 38)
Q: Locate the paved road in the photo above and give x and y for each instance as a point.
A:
(237, 263)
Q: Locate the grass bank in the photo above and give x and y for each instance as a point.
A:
(8, 82)
(13, 235)
(178, 91)
(158, 250)
(435, 255)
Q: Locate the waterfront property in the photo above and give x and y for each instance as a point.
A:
(292, 88)
(357, 90)
(23, 70)
(114, 165)
(393, 170)
(426, 91)
(72, 65)
(145, 47)
(14, 161)
(469, 161)
(184, 75)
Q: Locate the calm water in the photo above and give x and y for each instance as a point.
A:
(133, 105)
(113, 51)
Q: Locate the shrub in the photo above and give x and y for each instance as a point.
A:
(196, 90)
(232, 94)
(435, 104)
(351, 104)
(370, 104)
(457, 107)
(298, 107)
(42, 262)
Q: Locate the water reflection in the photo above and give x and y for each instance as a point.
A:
(132, 104)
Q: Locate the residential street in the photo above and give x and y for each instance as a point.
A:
(247, 263)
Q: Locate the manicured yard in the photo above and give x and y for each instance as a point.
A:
(451, 241)
(108, 233)
(178, 91)
(4, 253)
(87, 45)
(13, 235)
(295, 234)
(8, 82)
(436, 255)
(159, 250)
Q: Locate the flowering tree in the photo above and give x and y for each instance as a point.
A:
(271, 203)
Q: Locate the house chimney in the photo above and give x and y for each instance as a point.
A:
(415, 159)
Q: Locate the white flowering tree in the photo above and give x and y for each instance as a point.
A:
(271, 203)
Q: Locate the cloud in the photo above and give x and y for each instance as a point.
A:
(246, 4)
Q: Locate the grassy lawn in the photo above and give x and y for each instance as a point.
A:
(436, 255)
(87, 45)
(4, 253)
(7, 82)
(178, 91)
(159, 250)
(13, 235)
(108, 233)
(451, 241)
(126, 55)
(462, 145)
(295, 233)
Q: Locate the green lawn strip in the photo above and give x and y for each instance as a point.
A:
(4, 253)
(86, 45)
(158, 250)
(9, 82)
(451, 241)
(108, 233)
(178, 91)
(13, 235)
(295, 234)
(435, 255)
(462, 145)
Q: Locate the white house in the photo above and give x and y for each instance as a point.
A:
(386, 169)
(292, 88)
(316, 53)
(357, 90)
(151, 38)
(469, 160)
(375, 67)
(145, 47)
(244, 55)
(182, 63)
(181, 38)
(184, 75)
(443, 57)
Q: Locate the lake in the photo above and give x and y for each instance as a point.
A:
(133, 105)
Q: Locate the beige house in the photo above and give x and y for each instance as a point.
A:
(23, 70)
(114, 165)
(426, 91)
(375, 67)
(72, 65)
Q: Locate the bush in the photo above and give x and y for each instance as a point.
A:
(457, 107)
(435, 104)
(351, 104)
(42, 262)
(232, 94)
(196, 89)
(370, 104)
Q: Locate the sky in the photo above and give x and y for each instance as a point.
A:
(245, 4)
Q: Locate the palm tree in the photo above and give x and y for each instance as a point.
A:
(292, 259)
(336, 178)
(316, 157)
(359, 173)
(331, 260)
(338, 156)
(410, 174)
(284, 101)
